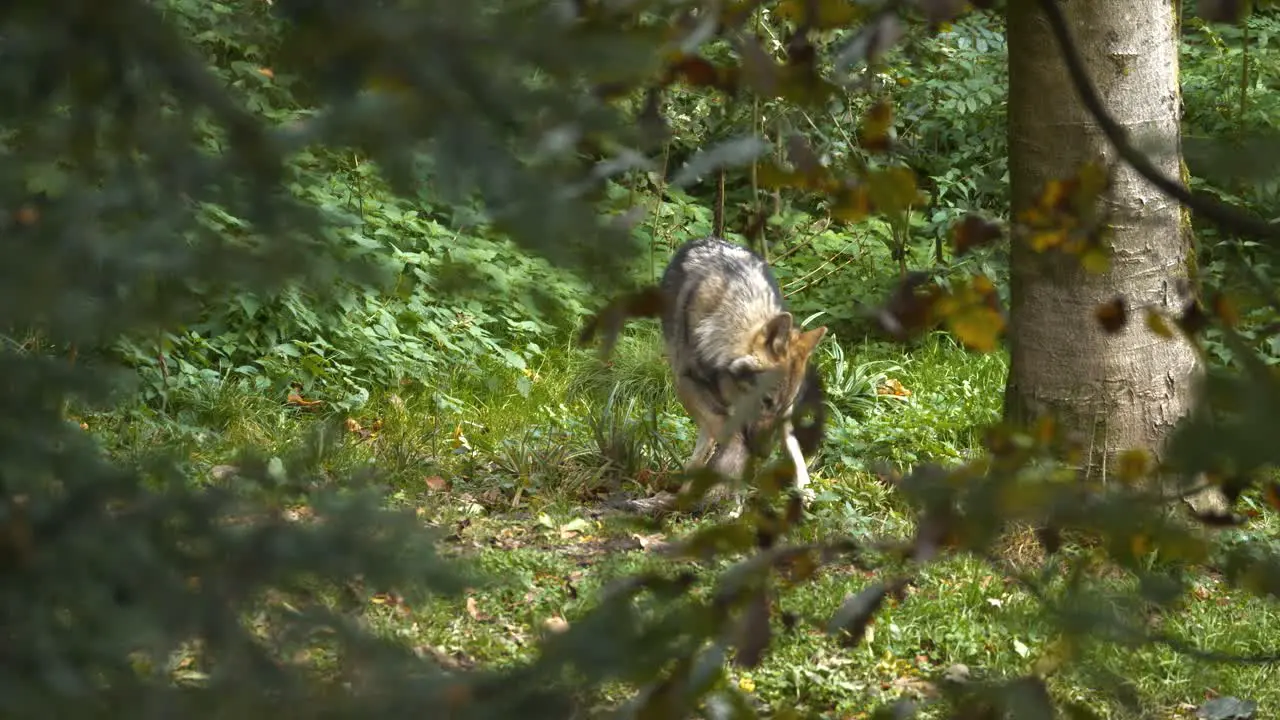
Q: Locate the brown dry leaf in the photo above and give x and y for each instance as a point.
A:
(391, 600)
(851, 203)
(1113, 315)
(875, 133)
(816, 179)
(1221, 11)
(699, 72)
(914, 686)
(295, 399)
(1193, 319)
(654, 542)
(820, 14)
(1045, 429)
(1271, 493)
(457, 695)
(299, 513)
(1225, 309)
(437, 483)
(972, 231)
(942, 12)
(893, 386)
(26, 215)
(910, 309)
(646, 302)
(17, 538)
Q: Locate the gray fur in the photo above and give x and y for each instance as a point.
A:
(720, 298)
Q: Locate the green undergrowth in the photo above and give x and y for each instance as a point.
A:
(512, 467)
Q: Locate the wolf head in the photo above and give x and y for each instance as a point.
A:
(770, 375)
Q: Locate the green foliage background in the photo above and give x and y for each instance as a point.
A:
(207, 197)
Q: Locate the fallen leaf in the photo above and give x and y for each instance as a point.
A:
(891, 386)
(474, 611)
(295, 399)
(437, 483)
(650, 542)
(555, 624)
(222, 472)
(574, 527)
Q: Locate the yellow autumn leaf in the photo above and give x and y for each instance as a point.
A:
(1020, 498)
(1044, 240)
(978, 328)
(1133, 465)
(1095, 260)
(1057, 653)
(1139, 544)
(852, 205)
(1184, 548)
(1044, 429)
(826, 14)
(1093, 181)
(1158, 325)
(1054, 193)
(893, 189)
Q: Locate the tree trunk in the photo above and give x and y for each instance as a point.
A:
(1115, 391)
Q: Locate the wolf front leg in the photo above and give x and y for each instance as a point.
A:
(802, 467)
(703, 449)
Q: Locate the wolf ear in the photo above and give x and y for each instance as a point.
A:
(807, 341)
(777, 334)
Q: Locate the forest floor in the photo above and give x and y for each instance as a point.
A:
(500, 475)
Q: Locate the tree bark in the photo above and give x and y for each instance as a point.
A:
(1126, 390)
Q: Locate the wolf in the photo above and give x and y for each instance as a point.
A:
(738, 358)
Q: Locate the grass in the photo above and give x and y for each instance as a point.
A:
(515, 466)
